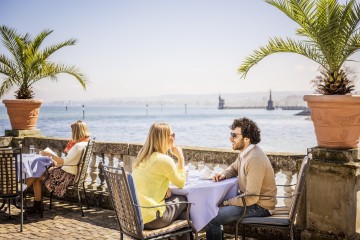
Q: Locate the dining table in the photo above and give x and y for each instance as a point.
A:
(205, 196)
(34, 165)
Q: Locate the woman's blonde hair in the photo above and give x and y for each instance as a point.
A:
(79, 131)
(156, 141)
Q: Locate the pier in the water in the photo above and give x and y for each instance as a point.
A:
(270, 106)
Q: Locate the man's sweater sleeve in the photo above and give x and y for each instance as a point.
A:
(255, 173)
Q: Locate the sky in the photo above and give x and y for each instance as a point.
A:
(139, 48)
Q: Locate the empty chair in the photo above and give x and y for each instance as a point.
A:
(11, 180)
(282, 217)
(125, 203)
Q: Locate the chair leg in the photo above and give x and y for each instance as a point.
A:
(244, 232)
(9, 207)
(237, 230)
(292, 237)
(51, 195)
(3, 204)
(80, 204)
(87, 203)
(22, 212)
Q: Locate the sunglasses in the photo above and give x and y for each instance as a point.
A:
(233, 135)
(172, 135)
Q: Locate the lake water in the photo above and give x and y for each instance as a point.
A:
(281, 131)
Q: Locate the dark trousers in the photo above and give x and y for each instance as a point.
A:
(230, 214)
(171, 213)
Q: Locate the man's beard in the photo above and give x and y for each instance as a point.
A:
(240, 145)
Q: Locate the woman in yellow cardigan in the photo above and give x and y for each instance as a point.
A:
(152, 172)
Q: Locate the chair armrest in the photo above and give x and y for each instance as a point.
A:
(166, 204)
(286, 185)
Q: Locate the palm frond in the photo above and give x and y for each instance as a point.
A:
(38, 40)
(6, 85)
(278, 45)
(51, 70)
(51, 49)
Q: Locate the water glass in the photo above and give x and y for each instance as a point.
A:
(32, 150)
(201, 166)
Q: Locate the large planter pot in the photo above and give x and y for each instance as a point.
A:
(336, 120)
(23, 113)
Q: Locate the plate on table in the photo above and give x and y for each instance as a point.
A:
(206, 178)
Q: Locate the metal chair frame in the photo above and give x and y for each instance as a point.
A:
(11, 180)
(80, 178)
(128, 212)
(287, 215)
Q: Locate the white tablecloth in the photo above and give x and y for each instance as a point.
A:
(206, 196)
(34, 165)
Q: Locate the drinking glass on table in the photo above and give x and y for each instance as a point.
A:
(32, 150)
(201, 166)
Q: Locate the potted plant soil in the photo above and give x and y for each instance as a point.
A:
(27, 63)
(330, 36)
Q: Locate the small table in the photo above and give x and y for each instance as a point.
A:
(206, 196)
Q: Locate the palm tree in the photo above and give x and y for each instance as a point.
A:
(28, 63)
(332, 35)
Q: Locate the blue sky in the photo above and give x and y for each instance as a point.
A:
(136, 48)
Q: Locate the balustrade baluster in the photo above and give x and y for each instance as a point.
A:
(288, 189)
(93, 172)
(101, 174)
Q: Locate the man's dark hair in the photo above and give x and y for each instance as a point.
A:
(249, 129)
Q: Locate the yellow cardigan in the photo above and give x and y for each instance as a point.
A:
(152, 181)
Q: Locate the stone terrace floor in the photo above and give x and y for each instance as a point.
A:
(64, 221)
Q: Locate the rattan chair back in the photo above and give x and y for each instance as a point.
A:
(11, 178)
(83, 165)
(123, 202)
(299, 187)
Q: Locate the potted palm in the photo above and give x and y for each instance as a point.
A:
(28, 63)
(331, 35)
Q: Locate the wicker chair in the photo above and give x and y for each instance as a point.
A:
(80, 178)
(11, 180)
(128, 213)
(283, 217)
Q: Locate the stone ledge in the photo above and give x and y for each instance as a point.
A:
(336, 155)
(23, 133)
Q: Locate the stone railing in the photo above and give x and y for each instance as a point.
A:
(112, 153)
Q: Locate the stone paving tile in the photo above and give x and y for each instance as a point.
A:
(64, 221)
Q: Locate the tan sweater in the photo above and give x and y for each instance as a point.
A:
(255, 176)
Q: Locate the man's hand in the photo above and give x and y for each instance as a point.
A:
(218, 177)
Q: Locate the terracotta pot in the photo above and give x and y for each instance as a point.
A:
(23, 113)
(336, 120)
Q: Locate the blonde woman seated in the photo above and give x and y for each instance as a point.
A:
(65, 168)
(152, 172)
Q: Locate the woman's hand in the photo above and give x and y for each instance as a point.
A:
(178, 153)
(45, 154)
(168, 193)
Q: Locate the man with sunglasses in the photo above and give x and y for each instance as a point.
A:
(255, 177)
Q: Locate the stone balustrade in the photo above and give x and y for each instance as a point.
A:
(112, 153)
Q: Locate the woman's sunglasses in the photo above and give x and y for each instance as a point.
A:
(172, 135)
